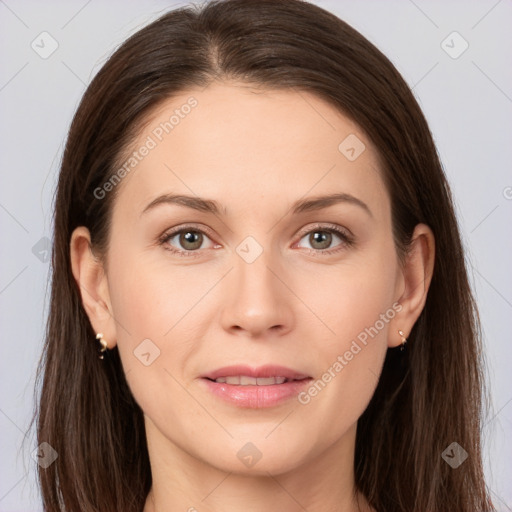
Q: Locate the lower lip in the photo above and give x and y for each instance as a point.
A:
(256, 397)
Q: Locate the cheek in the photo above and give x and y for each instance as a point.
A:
(155, 307)
(151, 298)
(352, 298)
(145, 310)
(357, 304)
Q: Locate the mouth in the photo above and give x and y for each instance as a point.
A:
(255, 388)
(245, 380)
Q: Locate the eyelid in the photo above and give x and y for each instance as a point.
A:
(326, 226)
(192, 226)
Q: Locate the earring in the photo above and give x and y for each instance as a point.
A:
(404, 340)
(103, 343)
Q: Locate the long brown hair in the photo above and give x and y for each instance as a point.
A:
(428, 396)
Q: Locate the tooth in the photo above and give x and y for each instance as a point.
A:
(244, 380)
(266, 381)
(247, 381)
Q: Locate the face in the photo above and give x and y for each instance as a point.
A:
(268, 284)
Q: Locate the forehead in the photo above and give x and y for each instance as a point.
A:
(237, 142)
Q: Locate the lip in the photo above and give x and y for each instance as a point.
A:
(253, 396)
(262, 371)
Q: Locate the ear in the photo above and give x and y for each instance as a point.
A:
(92, 281)
(414, 282)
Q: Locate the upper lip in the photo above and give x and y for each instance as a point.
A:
(259, 372)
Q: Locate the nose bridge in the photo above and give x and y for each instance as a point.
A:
(253, 268)
(258, 299)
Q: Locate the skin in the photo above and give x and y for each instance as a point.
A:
(255, 152)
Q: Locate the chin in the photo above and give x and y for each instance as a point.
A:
(260, 456)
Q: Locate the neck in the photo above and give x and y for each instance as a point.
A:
(324, 482)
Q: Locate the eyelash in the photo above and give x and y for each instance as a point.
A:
(347, 239)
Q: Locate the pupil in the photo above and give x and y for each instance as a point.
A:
(191, 237)
(322, 237)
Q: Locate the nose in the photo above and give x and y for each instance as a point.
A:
(258, 301)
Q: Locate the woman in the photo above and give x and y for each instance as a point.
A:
(248, 370)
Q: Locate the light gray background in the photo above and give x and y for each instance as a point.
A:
(467, 101)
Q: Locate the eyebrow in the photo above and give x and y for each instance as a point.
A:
(300, 206)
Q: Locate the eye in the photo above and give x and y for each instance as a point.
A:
(321, 238)
(189, 238)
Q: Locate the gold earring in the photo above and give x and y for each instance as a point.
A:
(404, 340)
(103, 343)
